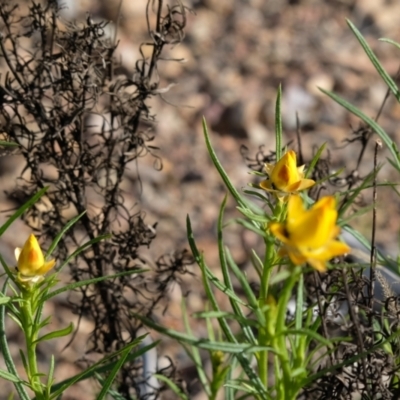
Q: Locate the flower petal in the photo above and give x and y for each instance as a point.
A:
(296, 257)
(285, 172)
(285, 176)
(28, 280)
(269, 168)
(266, 185)
(304, 184)
(300, 170)
(295, 212)
(279, 231)
(46, 267)
(17, 252)
(30, 257)
(317, 264)
(332, 249)
(308, 235)
(30, 260)
(315, 227)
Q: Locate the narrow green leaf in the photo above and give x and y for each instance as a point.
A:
(198, 258)
(243, 388)
(227, 279)
(4, 300)
(38, 316)
(50, 376)
(213, 314)
(368, 51)
(56, 334)
(9, 377)
(390, 41)
(230, 392)
(76, 285)
(299, 303)
(219, 378)
(258, 195)
(237, 196)
(24, 362)
(173, 386)
(118, 365)
(195, 353)
(210, 328)
(378, 328)
(279, 277)
(22, 209)
(356, 192)
(299, 350)
(45, 322)
(361, 211)
(278, 124)
(298, 371)
(330, 176)
(111, 392)
(8, 144)
(100, 366)
(309, 332)
(251, 298)
(80, 249)
(16, 320)
(349, 361)
(222, 287)
(226, 347)
(369, 121)
(62, 232)
(242, 358)
(315, 160)
(241, 319)
(261, 196)
(251, 227)
(257, 263)
(192, 243)
(5, 351)
(264, 218)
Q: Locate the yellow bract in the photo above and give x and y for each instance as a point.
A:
(285, 177)
(31, 264)
(308, 235)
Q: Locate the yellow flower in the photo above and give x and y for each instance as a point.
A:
(285, 177)
(31, 264)
(308, 235)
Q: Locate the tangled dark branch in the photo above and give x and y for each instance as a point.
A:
(79, 127)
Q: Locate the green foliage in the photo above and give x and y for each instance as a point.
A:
(256, 330)
(255, 349)
(25, 305)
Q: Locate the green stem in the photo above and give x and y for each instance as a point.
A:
(262, 301)
(287, 388)
(270, 251)
(267, 268)
(269, 255)
(31, 335)
(263, 359)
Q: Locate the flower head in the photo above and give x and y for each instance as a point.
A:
(285, 177)
(309, 235)
(31, 264)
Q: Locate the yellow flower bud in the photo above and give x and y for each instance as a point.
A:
(31, 264)
(285, 177)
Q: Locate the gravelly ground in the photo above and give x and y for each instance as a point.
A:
(236, 53)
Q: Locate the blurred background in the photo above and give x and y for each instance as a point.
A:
(234, 56)
(228, 68)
